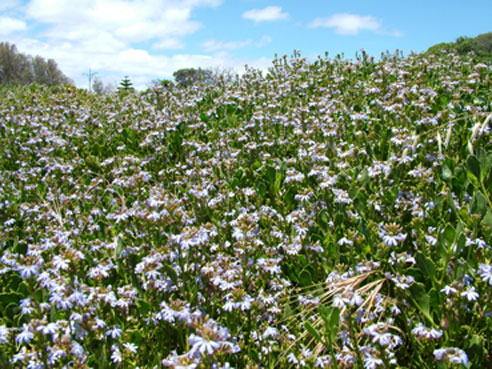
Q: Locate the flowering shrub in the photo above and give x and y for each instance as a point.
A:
(327, 214)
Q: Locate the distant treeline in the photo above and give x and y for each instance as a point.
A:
(20, 69)
(480, 46)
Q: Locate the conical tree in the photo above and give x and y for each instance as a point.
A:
(126, 85)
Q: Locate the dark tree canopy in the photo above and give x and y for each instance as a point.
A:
(19, 69)
(481, 46)
(188, 76)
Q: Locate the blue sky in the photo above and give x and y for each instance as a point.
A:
(150, 39)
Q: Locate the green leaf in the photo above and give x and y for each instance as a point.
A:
(479, 203)
(278, 183)
(421, 299)
(485, 159)
(324, 312)
(425, 265)
(261, 188)
(446, 173)
(170, 272)
(475, 351)
(331, 317)
(486, 225)
(302, 260)
(305, 279)
(313, 331)
(256, 165)
(143, 306)
(449, 234)
(473, 166)
(339, 218)
(270, 174)
(451, 203)
(119, 248)
(487, 181)
(10, 297)
(461, 243)
(334, 321)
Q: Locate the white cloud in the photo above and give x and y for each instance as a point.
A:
(264, 40)
(134, 21)
(169, 43)
(10, 25)
(9, 4)
(141, 65)
(270, 13)
(212, 45)
(108, 36)
(348, 24)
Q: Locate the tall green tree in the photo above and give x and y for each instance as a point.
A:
(188, 76)
(20, 69)
(126, 85)
(14, 67)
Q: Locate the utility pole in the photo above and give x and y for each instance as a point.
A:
(90, 75)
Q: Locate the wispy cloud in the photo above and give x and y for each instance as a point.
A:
(10, 25)
(270, 13)
(264, 40)
(108, 35)
(169, 43)
(213, 45)
(348, 24)
(9, 4)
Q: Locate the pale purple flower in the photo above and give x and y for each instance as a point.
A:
(27, 271)
(470, 294)
(50, 328)
(452, 355)
(114, 332)
(485, 272)
(4, 334)
(116, 355)
(131, 347)
(25, 336)
(371, 362)
(448, 290)
(429, 333)
(202, 345)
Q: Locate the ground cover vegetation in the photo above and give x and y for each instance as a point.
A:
(327, 214)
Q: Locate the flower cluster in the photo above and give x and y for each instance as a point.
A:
(327, 213)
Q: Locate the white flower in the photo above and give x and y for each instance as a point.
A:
(470, 294)
(202, 345)
(25, 336)
(50, 328)
(371, 362)
(116, 355)
(422, 331)
(115, 332)
(4, 334)
(270, 332)
(131, 347)
(485, 272)
(26, 271)
(448, 290)
(451, 355)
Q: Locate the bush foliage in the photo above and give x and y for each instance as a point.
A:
(332, 213)
(480, 47)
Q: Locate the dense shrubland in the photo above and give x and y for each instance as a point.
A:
(479, 48)
(327, 214)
